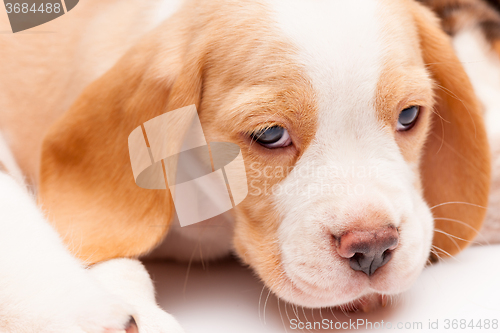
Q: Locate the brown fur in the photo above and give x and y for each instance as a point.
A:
(456, 164)
(116, 217)
(240, 82)
(44, 69)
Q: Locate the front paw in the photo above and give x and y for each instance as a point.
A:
(98, 311)
(82, 309)
(155, 320)
(131, 327)
(129, 280)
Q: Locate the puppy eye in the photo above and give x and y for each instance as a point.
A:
(407, 118)
(272, 137)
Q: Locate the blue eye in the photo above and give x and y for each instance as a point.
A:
(272, 137)
(408, 118)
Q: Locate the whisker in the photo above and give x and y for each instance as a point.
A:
(450, 237)
(465, 225)
(260, 298)
(201, 255)
(304, 312)
(308, 330)
(452, 94)
(312, 314)
(441, 121)
(344, 309)
(462, 239)
(457, 202)
(286, 311)
(281, 315)
(447, 253)
(295, 310)
(189, 269)
(260, 301)
(265, 305)
(334, 315)
(440, 259)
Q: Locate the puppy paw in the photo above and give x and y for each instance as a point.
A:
(109, 315)
(128, 279)
(99, 312)
(131, 327)
(155, 320)
(84, 306)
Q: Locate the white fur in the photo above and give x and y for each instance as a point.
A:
(340, 45)
(128, 279)
(7, 159)
(45, 289)
(163, 10)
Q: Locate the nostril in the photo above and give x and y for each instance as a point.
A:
(356, 260)
(368, 250)
(386, 256)
(357, 256)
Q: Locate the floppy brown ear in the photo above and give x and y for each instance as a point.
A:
(86, 184)
(456, 164)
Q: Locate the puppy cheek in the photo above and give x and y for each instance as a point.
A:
(254, 243)
(240, 249)
(416, 241)
(245, 242)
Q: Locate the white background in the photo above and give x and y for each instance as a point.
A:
(226, 297)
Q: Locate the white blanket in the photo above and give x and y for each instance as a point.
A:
(225, 297)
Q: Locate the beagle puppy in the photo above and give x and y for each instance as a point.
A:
(363, 139)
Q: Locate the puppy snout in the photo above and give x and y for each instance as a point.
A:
(368, 250)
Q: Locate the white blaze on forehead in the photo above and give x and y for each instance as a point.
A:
(344, 46)
(338, 43)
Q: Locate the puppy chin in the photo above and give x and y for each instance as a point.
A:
(357, 292)
(319, 299)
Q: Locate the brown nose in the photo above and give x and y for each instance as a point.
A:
(368, 250)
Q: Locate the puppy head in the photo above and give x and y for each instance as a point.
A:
(362, 138)
(346, 165)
